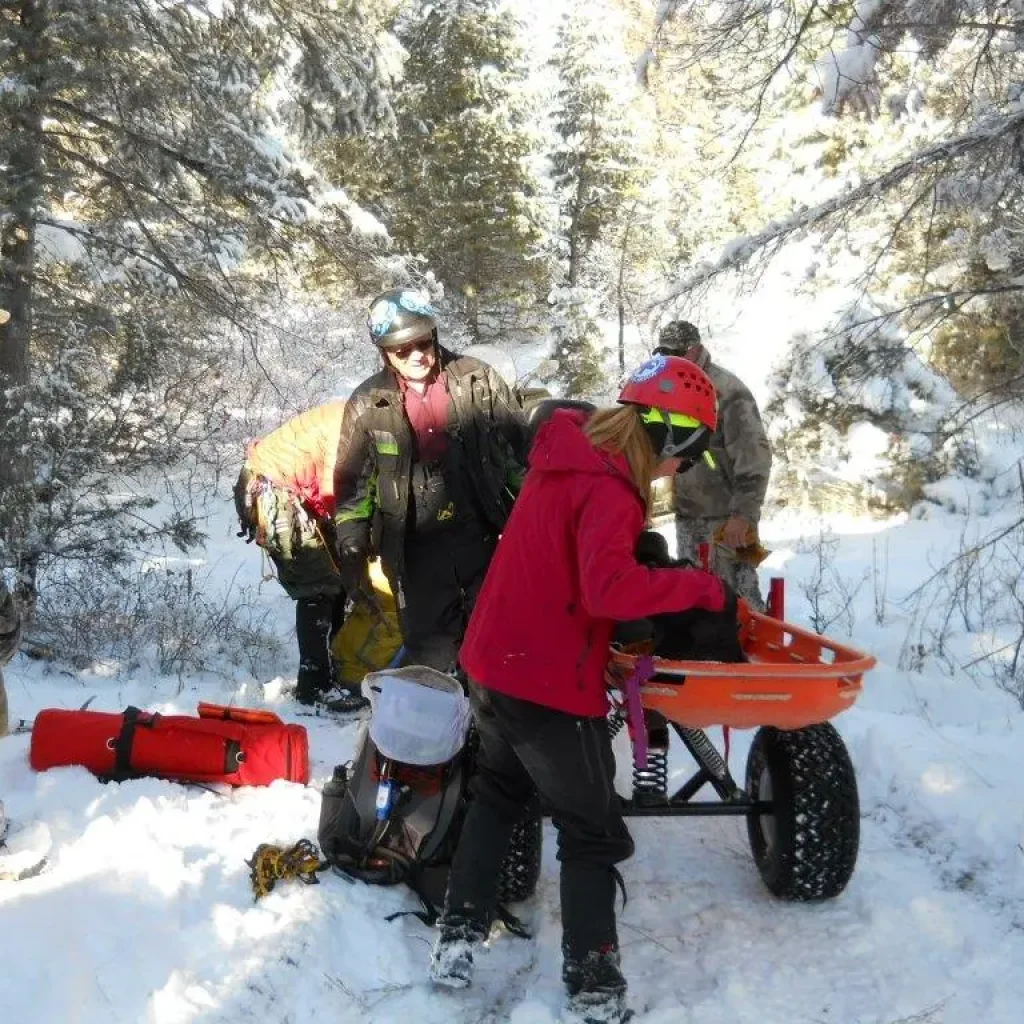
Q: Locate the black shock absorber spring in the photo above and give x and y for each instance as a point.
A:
(650, 784)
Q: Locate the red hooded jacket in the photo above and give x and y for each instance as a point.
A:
(564, 574)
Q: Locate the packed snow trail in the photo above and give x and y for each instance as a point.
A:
(145, 913)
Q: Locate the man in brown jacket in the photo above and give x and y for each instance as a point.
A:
(10, 633)
(723, 503)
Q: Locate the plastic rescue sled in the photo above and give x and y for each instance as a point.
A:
(794, 678)
(239, 746)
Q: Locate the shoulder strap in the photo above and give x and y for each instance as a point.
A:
(451, 800)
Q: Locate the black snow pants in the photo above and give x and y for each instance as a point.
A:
(317, 619)
(525, 750)
(441, 577)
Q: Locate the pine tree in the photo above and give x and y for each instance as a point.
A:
(453, 185)
(596, 173)
(153, 154)
(909, 155)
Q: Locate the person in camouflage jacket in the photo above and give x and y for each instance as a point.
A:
(430, 459)
(10, 634)
(725, 502)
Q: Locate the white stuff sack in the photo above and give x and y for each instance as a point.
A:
(420, 716)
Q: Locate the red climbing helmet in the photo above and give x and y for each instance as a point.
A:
(673, 384)
(678, 405)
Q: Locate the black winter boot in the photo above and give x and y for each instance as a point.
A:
(472, 894)
(590, 950)
(597, 989)
(451, 960)
(343, 700)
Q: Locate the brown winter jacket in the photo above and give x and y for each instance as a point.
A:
(373, 471)
(737, 486)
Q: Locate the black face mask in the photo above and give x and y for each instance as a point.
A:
(663, 438)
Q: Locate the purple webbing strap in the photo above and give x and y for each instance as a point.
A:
(643, 669)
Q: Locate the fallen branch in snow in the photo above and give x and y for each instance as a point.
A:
(925, 1016)
(989, 654)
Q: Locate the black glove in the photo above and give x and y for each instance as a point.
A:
(360, 591)
(352, 567)
(652, 550)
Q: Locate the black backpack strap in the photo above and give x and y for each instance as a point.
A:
(429, 914)
(451, 801)
(379, 866)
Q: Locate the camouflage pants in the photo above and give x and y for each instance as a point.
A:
(691, 533)
(3, 706)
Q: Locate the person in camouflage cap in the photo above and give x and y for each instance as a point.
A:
(10, 634)
(722, 506)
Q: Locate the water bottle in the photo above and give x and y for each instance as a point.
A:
(331, 808)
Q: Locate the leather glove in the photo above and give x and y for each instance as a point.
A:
(354, 570)
(751, 551)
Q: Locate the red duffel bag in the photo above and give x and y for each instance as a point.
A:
(240, 746)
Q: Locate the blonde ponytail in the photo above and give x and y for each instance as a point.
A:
(619, 430)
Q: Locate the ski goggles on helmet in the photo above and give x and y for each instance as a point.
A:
(388, 310)
(685, 436)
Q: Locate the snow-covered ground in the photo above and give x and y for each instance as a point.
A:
(145, 913)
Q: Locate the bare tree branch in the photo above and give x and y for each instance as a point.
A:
(982, 135)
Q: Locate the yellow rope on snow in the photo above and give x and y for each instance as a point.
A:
(271, 864)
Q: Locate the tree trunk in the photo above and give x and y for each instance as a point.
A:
(21, 196)
(620, 285)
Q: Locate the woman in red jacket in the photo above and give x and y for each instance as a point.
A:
(536, 650)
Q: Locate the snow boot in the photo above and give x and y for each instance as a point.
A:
(597, 989)
(451, 960)
(309, 686)
(343, 700)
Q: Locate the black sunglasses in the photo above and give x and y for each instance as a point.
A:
(404, 351)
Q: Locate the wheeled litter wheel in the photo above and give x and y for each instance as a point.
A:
(806, 848)
(520, 871)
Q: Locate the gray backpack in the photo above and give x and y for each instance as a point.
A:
(390, 822)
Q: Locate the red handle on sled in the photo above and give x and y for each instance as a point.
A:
(643, 669)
